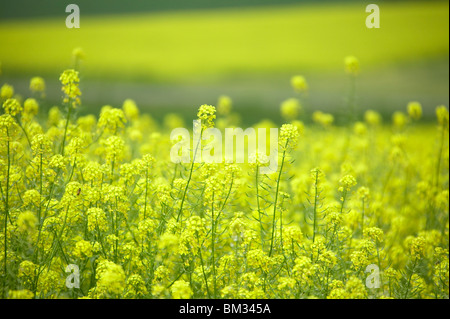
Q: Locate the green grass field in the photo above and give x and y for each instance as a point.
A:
(177, 46)
(177, 59)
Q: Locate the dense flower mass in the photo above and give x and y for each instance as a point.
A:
(207, 114)
(70, 80)
(12, 106)
(100, 194)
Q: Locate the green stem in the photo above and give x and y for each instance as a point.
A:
(40, 189)
(72, 170)
(203, 271)
(410, 277)
(24, 132)
(116, 232)
(315, 205)
(189, 179)
(261, 228)
(344, 198)
(362, 218)
(6, 215)
(276, 199)
(35, 255)
(112, 169)
(213, 239)
(65, 130)
(146, 192)
(379, 264)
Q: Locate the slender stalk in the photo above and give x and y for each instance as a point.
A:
(58, 240)
(213, 239)
(185, 191)
(40, 188)
(146, 193)
(65, 130)
(203, 271)
(5, 258)
(189, 179)
(174, 175)
(72, 170)
(261, 228)
(112, 169)
(316, 198)
(116, 232)
(52, 187)
(100, 240)
(409, 279)
(24, 132)
(276, 200)
(344, 197)
(379, 264)
(228, 195)
(362, 218)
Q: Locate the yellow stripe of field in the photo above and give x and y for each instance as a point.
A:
(179, 45)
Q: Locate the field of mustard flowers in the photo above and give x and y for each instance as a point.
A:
(353, 211)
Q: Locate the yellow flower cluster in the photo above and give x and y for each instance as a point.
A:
(110, 280)
(111, 119)
(347, 182)
(289, 136)
(70, 81)
(83, 249)
(417, 247)
(207, 114)
(12, 107)
(181, 290)
(101, 193)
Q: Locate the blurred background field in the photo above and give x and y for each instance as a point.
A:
(172, 56)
